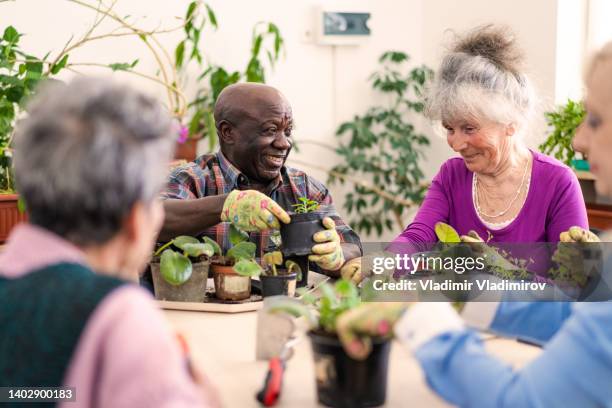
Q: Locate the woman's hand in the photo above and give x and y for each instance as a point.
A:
(357, 326)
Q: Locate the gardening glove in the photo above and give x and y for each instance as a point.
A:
(570, 255)
(357, 269)
(352, 270)
(357, 326)
(250, 210)
(328, 251)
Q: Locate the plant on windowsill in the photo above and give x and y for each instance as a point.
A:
(563, 124)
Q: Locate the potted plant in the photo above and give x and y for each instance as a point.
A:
(232, 272)
(305, 222)
(341, 380)
(563, 124)
(181, 274)
(278, 280)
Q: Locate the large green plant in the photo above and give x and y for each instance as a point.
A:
(384, 148)
(20, 73)
(266, 39)
(563, 123)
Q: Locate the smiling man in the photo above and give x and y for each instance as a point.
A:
(247, 183)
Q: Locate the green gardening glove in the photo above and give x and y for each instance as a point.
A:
(357, 326)
(250, 210)
(328, 251)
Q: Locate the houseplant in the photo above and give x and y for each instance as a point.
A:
(180, 269)
(382, 150)
(341, 380)
(232, 272)
(266, 39)
(563, 123)
(276, 279)
(20, 73)
(305, 222)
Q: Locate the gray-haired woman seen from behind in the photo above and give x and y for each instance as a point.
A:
(90, 160)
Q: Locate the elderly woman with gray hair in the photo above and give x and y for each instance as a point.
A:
(498, 187)
(90, 160)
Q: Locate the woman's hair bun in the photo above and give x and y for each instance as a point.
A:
(496, 44)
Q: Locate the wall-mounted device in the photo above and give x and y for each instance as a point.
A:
(336, 27)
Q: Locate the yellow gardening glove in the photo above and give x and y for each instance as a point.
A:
(250, 210)
(570, 258)
(328, 251)
(357, 326)
(352, 270)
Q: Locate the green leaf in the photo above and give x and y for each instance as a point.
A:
(56, 68)
(446, 233)
(211, 16)
(175, 268)
(272, 258)
(10, 35)
(209, 120)
(179, 54)
(21, 205)
(123, 66)
(214, 244)
(246, 267)
(244, 250)
(199, 249)
(181, 240)
(236, 235)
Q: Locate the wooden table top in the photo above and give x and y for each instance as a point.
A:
(224, 347)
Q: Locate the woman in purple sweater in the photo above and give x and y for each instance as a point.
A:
(498, 187)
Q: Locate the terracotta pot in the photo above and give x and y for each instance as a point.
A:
(9, 215)
(229, 285)
(194, 290)
(187, 151)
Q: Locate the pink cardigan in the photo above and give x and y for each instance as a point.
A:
(127, 355)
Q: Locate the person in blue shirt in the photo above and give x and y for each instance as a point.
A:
(575, 366)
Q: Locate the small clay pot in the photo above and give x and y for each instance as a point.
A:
(345, 382)
(229, 285)
(297, 235)
(281, 284)
(193, 290)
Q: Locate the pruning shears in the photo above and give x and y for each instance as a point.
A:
(273, 383)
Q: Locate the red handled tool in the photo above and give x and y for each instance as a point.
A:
(273, 383)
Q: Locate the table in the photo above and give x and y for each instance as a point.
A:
(224, 347)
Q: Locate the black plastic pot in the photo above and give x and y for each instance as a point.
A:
(345, 382)
(281, 284)
(297, 235)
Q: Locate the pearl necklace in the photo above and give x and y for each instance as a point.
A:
(516, 196)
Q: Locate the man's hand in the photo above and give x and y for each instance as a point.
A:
(352, 270)
(250, 210)
(356, 327)
(328, 251)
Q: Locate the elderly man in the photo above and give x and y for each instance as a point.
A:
(254, 124)
(90, 162)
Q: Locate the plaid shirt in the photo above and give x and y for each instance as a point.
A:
(213, 174)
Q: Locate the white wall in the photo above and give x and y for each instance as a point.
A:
(325, 86)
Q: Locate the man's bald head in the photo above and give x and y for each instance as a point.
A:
(254, 123)
(246, 100)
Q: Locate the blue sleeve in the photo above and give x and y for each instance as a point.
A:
(536, 322)
(574, 369)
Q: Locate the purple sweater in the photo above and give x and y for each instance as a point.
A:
(554, 203)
